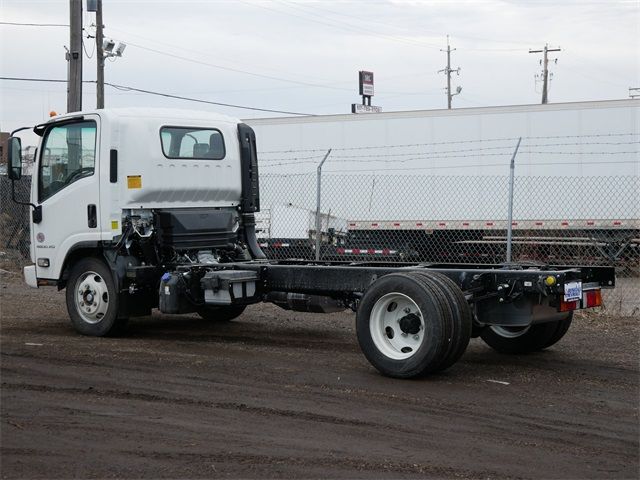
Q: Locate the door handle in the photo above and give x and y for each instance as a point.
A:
(92, 216)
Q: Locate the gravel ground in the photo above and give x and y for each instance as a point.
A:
(277, 394)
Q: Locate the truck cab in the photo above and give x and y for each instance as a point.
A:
(139, 188)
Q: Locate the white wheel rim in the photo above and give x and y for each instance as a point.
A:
(397, 326)
(91, 297)
(510, 332)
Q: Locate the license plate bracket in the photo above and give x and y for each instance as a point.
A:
(572, 291)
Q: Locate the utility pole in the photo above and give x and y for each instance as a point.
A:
(99, 56)
(447, 70)
(74, 57)
(545, 70)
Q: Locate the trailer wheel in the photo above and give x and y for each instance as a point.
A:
(461, 326)
(92, 299)
(517, 340)
(403, 327)
(221, 314)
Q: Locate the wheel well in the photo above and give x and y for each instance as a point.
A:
(74, 256)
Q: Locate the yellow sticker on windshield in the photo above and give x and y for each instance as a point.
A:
(134, 181)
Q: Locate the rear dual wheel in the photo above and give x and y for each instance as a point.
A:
(411, 324)
(517, 340)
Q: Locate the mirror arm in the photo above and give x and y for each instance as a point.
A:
(19, 130)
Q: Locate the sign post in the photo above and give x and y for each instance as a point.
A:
(365, 80)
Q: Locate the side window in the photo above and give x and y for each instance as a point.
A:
(192, 143)
(68, 154)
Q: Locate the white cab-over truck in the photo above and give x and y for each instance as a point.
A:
(136, 209)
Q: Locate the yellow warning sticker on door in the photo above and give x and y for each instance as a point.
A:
(114, 225)
(134, 181)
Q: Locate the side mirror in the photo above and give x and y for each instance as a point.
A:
(14, 150)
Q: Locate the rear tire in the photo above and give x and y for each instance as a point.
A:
(92, 299)
(221, 314)
(461, 316)
(561, 330)
(518, 340)
(403, 325)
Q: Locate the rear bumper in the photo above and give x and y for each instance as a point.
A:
(30, 276)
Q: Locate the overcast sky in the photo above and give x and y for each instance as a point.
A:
(304, 55)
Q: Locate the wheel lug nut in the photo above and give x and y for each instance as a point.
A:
(404, 334)
(407, 310)
(416, 337)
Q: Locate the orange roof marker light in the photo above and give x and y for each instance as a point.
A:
(52, 113)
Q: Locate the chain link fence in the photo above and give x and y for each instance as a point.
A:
(456, 213)
(575, 202)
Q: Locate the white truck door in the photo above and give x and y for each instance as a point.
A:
(68, 191)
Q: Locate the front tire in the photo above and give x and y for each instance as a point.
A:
(92, 299)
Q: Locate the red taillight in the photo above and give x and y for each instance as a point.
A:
(568, 306)
(592, 298)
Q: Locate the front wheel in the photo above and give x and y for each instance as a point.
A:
(516, 340)
(92, 299)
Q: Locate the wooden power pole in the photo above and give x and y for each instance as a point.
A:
(74, 57)
(99, 56)
(545, 70)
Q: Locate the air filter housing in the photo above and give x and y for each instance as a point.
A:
(197, 228)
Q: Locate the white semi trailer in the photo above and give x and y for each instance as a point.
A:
(286, 230)
(144, 209)
(577, 177)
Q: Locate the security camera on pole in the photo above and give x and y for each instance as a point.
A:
(104, 49)
(365, 80)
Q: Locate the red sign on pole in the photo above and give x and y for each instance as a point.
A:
(366, 83)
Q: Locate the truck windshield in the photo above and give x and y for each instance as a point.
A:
(68, 154)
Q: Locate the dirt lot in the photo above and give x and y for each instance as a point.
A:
(280, 394)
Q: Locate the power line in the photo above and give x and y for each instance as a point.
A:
(161, 94)
(189, 99)
(254, 74)
(21, 24)
(345, 26)
(236, 70)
